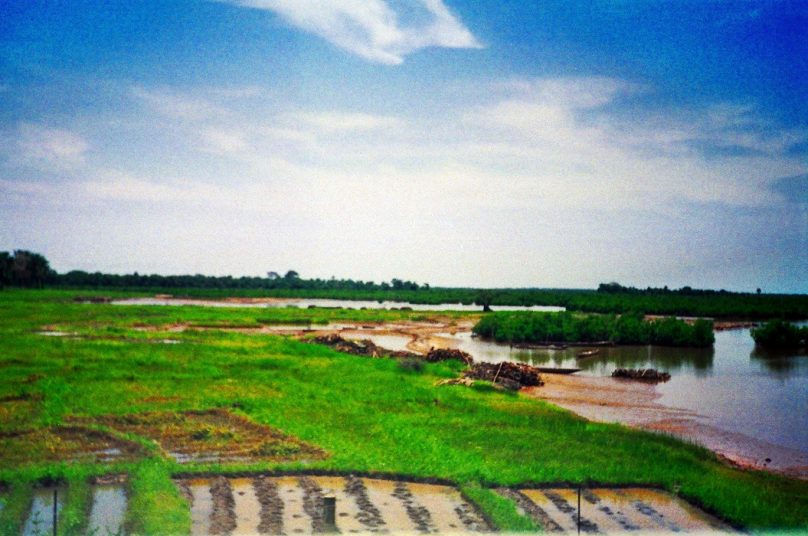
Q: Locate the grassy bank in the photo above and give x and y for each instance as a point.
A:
(367, 414)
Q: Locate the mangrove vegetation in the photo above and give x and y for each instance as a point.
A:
(537, 327)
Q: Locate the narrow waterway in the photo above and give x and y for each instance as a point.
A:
(328, 303)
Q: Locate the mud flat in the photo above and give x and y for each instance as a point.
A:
(295, 505)
(636, 404)
(612, 511)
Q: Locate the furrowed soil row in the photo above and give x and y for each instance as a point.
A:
(612, 511)
(295, 505)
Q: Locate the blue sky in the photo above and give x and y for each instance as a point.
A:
(504, 143)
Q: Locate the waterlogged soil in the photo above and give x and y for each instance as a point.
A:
(40, 516)
(295, 505)
(411, 336)
(64, 443)
(108, 510)
(212, 436)
(612, 511)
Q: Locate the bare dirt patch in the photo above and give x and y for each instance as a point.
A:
(63, 443)
(212, 436)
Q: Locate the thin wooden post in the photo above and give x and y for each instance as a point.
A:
(579, 509)
(55, 511)
(497, 374)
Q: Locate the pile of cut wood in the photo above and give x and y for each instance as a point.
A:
(646, 375)
(445, 354)
(365, 347)
(509, 375)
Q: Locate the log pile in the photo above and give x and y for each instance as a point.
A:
(364, 347)
(444, 354)
(646, 375)
(512, 376)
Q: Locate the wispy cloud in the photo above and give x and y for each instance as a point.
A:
(40, 145)
(335, 121)
(177, 105)
(374, 29)
(223, 141)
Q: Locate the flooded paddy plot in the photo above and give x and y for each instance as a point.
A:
(64, 443)
(109, 508)
(610, 511)
(41, 515)
(300, 505)
(212, 436)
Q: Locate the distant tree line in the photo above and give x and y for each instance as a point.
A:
(617, 288)
(23, 268)
(536, 327)
(26, 269)
(290, 281)
(32, 270)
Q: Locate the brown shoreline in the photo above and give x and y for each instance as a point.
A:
(634, 404)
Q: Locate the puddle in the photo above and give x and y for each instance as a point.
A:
(40, 517)
(108, 510)
(48, 333)
(396, 343)
(201, 505)
(295, 505)
(247, 507)
(613, 511)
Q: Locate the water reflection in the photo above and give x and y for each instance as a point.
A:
(736, 387)
(778, 361)
(699, 361)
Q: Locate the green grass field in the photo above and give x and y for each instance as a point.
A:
(366, 414)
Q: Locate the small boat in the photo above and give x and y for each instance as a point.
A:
(588, 353)
(557, 370)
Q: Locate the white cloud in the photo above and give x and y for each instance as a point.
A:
(372, 29)
(223, 141)
(52, 147)
(177, 105)
(334, 121)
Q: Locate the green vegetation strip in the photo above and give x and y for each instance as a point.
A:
(368, 415)
(532, 327)
(501, 511)
(155, 504)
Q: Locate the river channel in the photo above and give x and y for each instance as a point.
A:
(733, 398)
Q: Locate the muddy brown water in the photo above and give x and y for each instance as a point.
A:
(294, 505)
(612, 511)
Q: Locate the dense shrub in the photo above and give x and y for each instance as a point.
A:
(533, 327)
(779, 334)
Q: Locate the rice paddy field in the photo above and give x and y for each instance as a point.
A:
(107, 403)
